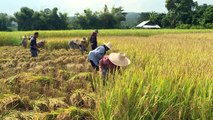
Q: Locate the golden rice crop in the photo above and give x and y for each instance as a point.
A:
(170, 76)
(45, 77)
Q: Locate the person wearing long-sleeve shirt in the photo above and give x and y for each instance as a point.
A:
(112, 63)
(93, 40)
(96, 55)
(33, 45)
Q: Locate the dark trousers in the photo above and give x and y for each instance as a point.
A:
(34, 53)
(94, 46)
(94, 66)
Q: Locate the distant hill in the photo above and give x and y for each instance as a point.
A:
(131, 19)
(132, 16)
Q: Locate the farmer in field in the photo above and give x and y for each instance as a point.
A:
(83, 45)
(97, 54)
(93, 39)
(24, 41)
(33, 45)
(111, 63)
(73, 44)
(76, 44)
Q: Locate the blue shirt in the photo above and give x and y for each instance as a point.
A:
(97, 54)
(33, 43)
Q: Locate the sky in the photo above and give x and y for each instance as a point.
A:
(77, 6)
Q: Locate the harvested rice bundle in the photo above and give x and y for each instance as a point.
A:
(81, 99)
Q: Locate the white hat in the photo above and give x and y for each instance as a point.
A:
(109, 45)
(119, 59)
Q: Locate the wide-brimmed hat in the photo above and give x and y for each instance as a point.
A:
(109, 45)
(119, 59)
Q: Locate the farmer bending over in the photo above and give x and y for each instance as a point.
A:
(76, 44)
(112, 63)
(73, 44)
(33, 45)
(83, 45)
(96, 55)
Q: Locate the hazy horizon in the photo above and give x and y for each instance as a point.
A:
(71, 7)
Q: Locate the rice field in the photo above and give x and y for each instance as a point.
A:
(170, 77)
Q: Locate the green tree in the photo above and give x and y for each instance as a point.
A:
(119, 15)
(37, 23)
(197, 14)
(143, 16)
(203, 15)
(166, 21)
(153, 17)
(158, 18)
(87, 20)
(24, 18)
(47, 19)
(181, 11)
(208, 14)
(105, 19)
(6, 22)
(53, 20)
(3, 21)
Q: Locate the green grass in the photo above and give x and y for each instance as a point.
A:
(14, 38)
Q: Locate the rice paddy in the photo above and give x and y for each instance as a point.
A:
(170, 77)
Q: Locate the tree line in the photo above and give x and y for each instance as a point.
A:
(47, 19)
(181, 14)
(5, 21)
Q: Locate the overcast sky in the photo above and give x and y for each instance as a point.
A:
(77, 6)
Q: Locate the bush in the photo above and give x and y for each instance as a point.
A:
(197, 27)
(183, 26)
(209, 25)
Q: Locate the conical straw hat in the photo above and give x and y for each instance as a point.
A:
(109, 45)
(119, 59)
